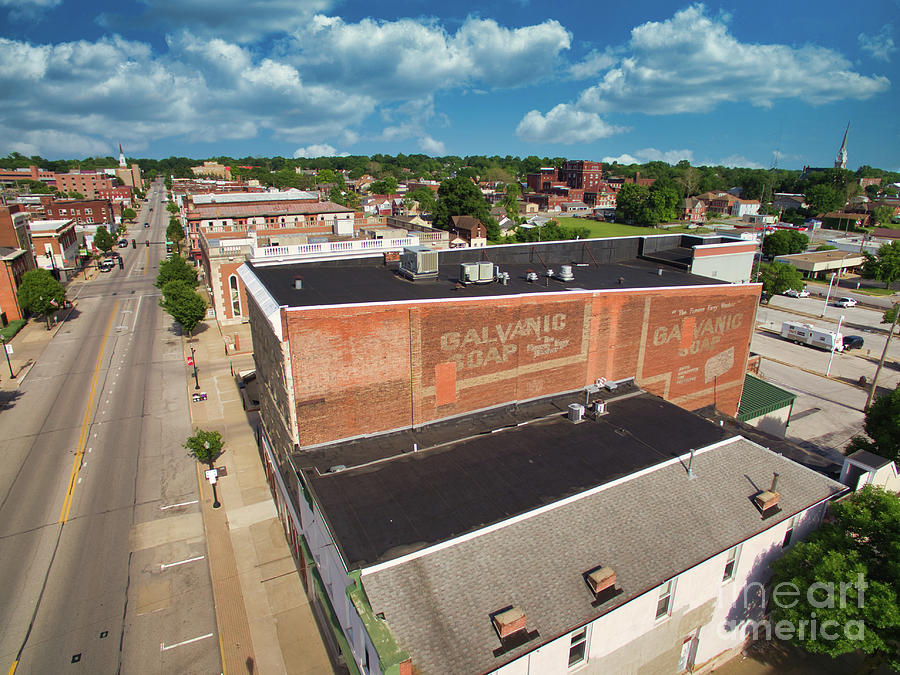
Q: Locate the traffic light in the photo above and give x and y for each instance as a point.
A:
(133, 244)
(147, 243)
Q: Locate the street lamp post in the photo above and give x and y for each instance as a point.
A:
(12, 375)
(883, 355)
(212, 481)
(194, 362)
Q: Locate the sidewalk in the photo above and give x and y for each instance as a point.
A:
(264, 618)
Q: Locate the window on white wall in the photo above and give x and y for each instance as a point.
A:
(578, 647)
(664, 604)
(731, 563)
(790, 531)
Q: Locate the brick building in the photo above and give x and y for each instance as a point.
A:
(17, 255)
(55, 245)
(470, 229)
(87, 183)
(31, 173)
(83, 211)
(421, 420)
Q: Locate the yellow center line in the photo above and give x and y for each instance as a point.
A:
(85, 424)
(13, 667)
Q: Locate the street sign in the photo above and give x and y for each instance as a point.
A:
(9, 349)
(211, 475)
(190, 360)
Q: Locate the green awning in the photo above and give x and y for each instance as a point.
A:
(760, 398)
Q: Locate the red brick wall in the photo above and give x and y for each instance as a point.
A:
(369, 369)
(226, 269)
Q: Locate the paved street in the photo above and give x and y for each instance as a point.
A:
(99, 520)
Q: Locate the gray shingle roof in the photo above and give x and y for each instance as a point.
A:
(649, 529)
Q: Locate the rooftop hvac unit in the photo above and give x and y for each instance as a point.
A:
(419, 262)
(485, 271)
(565, 273)
(468, 273)
(611, 386)
(576, 412)
(531, 276)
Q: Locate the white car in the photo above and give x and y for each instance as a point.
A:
(793, 293)
(845, 302)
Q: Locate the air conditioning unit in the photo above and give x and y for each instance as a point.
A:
(576, 412)
(468, 273)
(419, 262)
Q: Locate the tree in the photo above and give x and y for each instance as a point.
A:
(425, 197)
(175, 233)
(882, 426)
(388, 186)
(630, 202)
(843, 579)
(183, 304)
(103, 239)
(172, 208)
(823, 198)
(128, 214)
(461, 197)
(883, 215)
(39, 293)
(176, 268)
(784, 242)
(510, 200)
(75, 195)
(887, 263)
(777, 277)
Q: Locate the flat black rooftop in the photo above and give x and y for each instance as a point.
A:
(597, 265)
(382, 510)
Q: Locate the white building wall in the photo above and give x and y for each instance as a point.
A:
(630, 638)
(734, 267)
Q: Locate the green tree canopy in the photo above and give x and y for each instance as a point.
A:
(205, 446)
(128, 214)
(175, 232)
(461, 197)
(183, 304)
(648, 206)
(425, 197)
(823, 198)
(784, 242)
(172, 208)
(176, 268)
(882, 426)
(777, 277)
(845, 574)
(40, 293)
(886, 264)
(388, 186)
(883, 215)
(550, 231)
(103, 239)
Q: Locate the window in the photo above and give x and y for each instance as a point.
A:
(235, 296)
(731, 564)
(578, 647)
(790, 532)
(664, 605)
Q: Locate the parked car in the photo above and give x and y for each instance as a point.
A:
(146, 224)
(123, 243)
(853, 342)
(846, 302)
(106, 265)
(794, 293)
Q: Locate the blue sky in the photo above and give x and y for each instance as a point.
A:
(739, 84)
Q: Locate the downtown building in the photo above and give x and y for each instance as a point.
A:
(485, 460)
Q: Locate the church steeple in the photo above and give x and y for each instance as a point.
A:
(841, 161)
(121, 156)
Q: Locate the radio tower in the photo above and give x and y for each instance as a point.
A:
(840, 161)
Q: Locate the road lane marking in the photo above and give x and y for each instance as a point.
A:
(85, 424)
(172, 506)
(181, 562)
(13, 667)
(136, 312)
(163, 647)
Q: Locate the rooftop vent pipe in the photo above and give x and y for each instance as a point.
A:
(298, 283)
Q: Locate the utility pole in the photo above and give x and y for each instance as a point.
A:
(883, 355)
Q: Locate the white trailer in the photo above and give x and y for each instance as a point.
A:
(807, 334)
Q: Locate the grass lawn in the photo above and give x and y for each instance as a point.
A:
(12, 328)
(599, 229)
(863, 289)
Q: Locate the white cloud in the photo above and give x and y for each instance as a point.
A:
(408, 58)
(592, 65)
(736, 161)
(431, 146)
(318, 150)
(691, 63)
(652, 155)
(116, 90)
(28, 10)
(564, 124)
(242, 21)
(881, 45)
